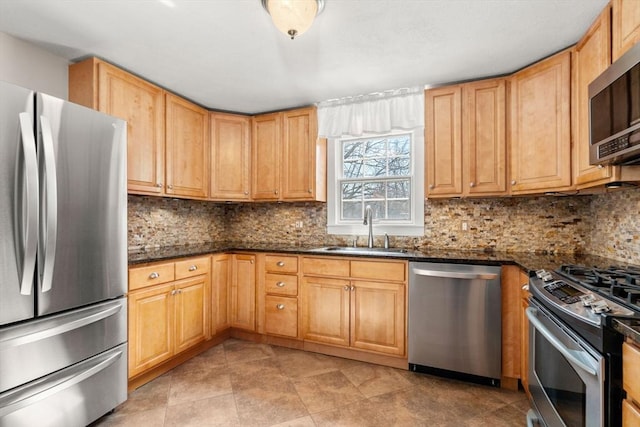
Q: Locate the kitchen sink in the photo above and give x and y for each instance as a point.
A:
(361, 251)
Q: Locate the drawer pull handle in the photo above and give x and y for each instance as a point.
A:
(280, 263)
(280, 284)
(173, 292)
(154, 275)
(280, 306)
(193, 268)
(347, 287)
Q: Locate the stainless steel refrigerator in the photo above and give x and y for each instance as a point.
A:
(63, 261)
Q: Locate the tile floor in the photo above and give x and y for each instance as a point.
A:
(240, 383)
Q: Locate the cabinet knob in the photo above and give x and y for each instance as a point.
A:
(275, 192)
(600, 166)
(159, 184)
(310, 191)
(246, 193)
(193, 268)
(280, 284)
(280, 263)
(431, 186)
(346, 287)
(513, 182)
(251, 261)
(154, 275)
(353, 288)
(280, 306)
(173, 292)
(472, 184)
(170, 187)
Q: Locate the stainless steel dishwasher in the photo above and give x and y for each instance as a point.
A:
(455, 321)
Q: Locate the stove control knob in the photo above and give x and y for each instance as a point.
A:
(600, 306)
(540, 273)
(588, 299)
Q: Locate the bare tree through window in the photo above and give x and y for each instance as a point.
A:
(376, 171)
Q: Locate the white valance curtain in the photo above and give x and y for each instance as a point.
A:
(376, 113)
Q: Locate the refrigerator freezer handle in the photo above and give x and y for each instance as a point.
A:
(28, 209)
(50, 204)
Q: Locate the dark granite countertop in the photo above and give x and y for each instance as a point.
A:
(527, 261)
(628, 327)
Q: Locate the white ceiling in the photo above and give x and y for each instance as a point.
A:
(227, 55)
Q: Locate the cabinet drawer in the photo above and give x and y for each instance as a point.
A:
(140, 277)
(379, 270)
(192, 267)
(631, 370)
(281, 284)
(326, 267)
(281, 264)
(630, 414)
(281, 316)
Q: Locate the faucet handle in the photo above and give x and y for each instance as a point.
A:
(386, 241)
(355, 242)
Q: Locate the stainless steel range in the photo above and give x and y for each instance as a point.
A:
(575, 369)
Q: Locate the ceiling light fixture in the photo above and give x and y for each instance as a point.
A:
(293, 17)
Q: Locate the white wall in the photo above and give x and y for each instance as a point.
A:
(25, 64)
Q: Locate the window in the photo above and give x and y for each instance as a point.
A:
(381, 171)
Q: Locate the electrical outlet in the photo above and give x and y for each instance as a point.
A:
(298, 224)
(465, 226)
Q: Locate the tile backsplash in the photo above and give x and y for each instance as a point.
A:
(606, 225)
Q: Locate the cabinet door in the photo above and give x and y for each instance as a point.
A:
(230, 158)
(443, 139)
(592, 56)
(142, 105)
(325, 310)
(191, 309)
(151, 327)
(266, 152)
(540, 126)
(243, 292)
(524, 346)
(510, 287)
(484, 138)
(378, 317)
(187, 145)
(299, 144)
(626, 26)
(221, 279)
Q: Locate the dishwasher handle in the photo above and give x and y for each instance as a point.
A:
(454, 274)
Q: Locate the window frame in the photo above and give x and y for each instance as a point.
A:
(412, 227)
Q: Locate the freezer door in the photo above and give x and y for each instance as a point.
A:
(73, 397)
(18, 204)
(34, 349)
(82, 248)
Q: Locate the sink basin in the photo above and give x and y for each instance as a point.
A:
(361, 251)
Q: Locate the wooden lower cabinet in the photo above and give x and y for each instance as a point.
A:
(281, 316)
(168, 318)
(631, 384)
(361, 314)
(243, 292)
(221, 271)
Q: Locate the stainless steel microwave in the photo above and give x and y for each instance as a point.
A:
(614, 112)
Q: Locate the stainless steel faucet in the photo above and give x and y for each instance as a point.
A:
(368, 220)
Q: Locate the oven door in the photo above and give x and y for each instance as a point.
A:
(566, 375)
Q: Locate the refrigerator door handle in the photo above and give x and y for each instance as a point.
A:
(50, 204)
(59, 328)
(44, 390)
(28, 209)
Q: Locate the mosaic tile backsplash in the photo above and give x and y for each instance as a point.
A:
(606, 225)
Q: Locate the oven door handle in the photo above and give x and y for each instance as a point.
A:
(571, 357)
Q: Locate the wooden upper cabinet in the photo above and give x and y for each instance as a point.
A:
(304, 158)
(540, 126)
(626, 26)
(288, 159)
(591, 57)
(266, 149)
(187, 146)
(101, 86)
(465, 132)
(484, 138)
(443, 139)
(230, 157)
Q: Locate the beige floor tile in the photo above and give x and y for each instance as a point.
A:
(300, 364)
(362, 414)
(265, 374)
(199, 384)
(298, 422)
(506, 416)
(237, 351)
(373, 380)
(326, 391)
(149, 418)
(212, 358)
(150, 396)
(216, 411)
(258, 407)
